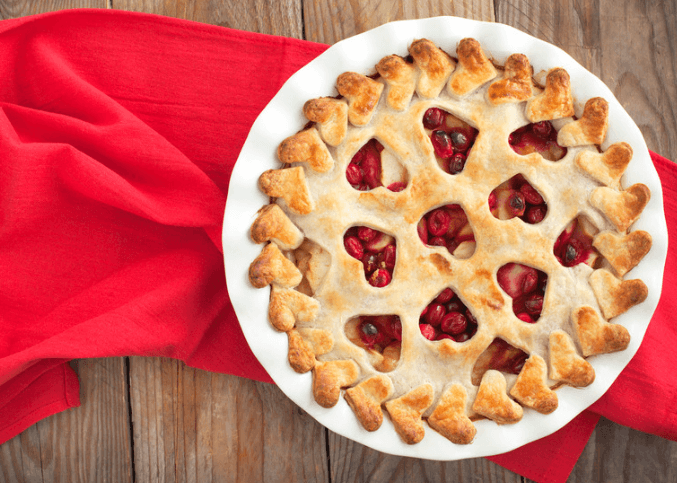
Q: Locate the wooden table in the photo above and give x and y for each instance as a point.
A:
(158, 420)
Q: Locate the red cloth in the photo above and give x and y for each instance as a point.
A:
(119, 132)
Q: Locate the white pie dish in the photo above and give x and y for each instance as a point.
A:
(283, 117)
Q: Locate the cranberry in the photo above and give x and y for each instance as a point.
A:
(493, 201)
(524, 317)
(534, 304)
(428, 331)
(371, 165)
(394, 328)
(516, 203)
(437, 241)
(518, 364)
(422, 229)
(354, 175)
(380, 278)
(454, 323)
(462, 337)
(542, 129)
(389, 255)
(438, 222)
(530, 194)
(353, 247)
(435, 314)
(370, 334)
(535, 214)
(456, 163)
(397, 186)
(366, 234)
(433, 118)
(573, 253)
(442, 144)
(459, 140)
(370, 262)
(455, 306)
(445, 296)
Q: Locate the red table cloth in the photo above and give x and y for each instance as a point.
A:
(119, 132)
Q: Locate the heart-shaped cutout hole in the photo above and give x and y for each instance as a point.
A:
(376, 250)
(517, 198)
(447, 317)
(574, 244)
(380, 335)
(448, 226)
(526, 286)
(500, 356)
(539, 137)
(373, 166)
(451, 137)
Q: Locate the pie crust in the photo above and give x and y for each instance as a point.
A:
(318, 288)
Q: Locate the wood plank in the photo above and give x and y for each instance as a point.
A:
(277, 18)
(196, 426)
(21, 8)
(91, 443)
(331, 21)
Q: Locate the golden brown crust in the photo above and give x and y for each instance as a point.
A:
(287, 306)
(272, 224)
(328, 379)
(290, 185)
(531, 388)
(435, 66)
(362, 93)
(301, 356)
(449, 417)
(516, 84)
(590, 128)
(320, 341)
(623, 252)
(492, 400)
(365, 399)
(331, 116)
(473, 69)
(622, 208)
(616, 296)
(406, 412)
(595, 335)
(401, 79)
(606, 167)
(556, 101)
(306, 147)
(565, 363)
(271, 266)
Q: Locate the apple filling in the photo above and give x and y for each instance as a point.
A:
(451, 137)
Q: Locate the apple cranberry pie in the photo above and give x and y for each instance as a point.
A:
(448, 241)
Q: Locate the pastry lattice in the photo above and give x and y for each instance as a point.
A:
(315, 206)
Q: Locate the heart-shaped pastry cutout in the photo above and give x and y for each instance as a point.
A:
(616, 296)
(622, 208)
(526, 286)
(447, 317)
(448, 226)
(556, 100)
(362, 93)
(452, 139)
(517, 198)
(516, 84)
(595, 335)
(590, 128)
(623, 252)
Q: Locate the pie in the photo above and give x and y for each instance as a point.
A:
(448, 241)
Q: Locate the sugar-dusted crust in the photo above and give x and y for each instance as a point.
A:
(473, 69)
(623, 252)
(516, 84)
(306, 147)
(328, 379)
(406, 412)
(435, 67)
(531, 388)
(362, 93)
(590, 128)
(400, 76)
(556, 100)
(320, 293)
(365, 399)
(606, 167)
(566, 365)
(595, 335)
(449, 417)
(272, 224)
(616, 296)
(623, 208)
(330, 116)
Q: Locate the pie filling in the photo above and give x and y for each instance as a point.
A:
(526, 286)
(516, 197)
(366, 170)
(452, 139)
(448, 227)
(539, 137)
(499, 356)
(376, 250)
(447, 317)
(380, 335)
(574, 245)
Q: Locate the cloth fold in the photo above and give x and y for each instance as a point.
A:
(119, 132)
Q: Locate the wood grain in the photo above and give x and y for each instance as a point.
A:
(281, 17)
(90, 443)
(195, 426)
(21, 8)
(329, 21)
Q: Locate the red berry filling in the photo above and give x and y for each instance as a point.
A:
(526, 286)
(499, 356)
(448, 227)
(376, 250)
(446, 317)
(539, 137)
(574, 245)
(364, 172)
(517, 198)
(451, 138)
(378, 333)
